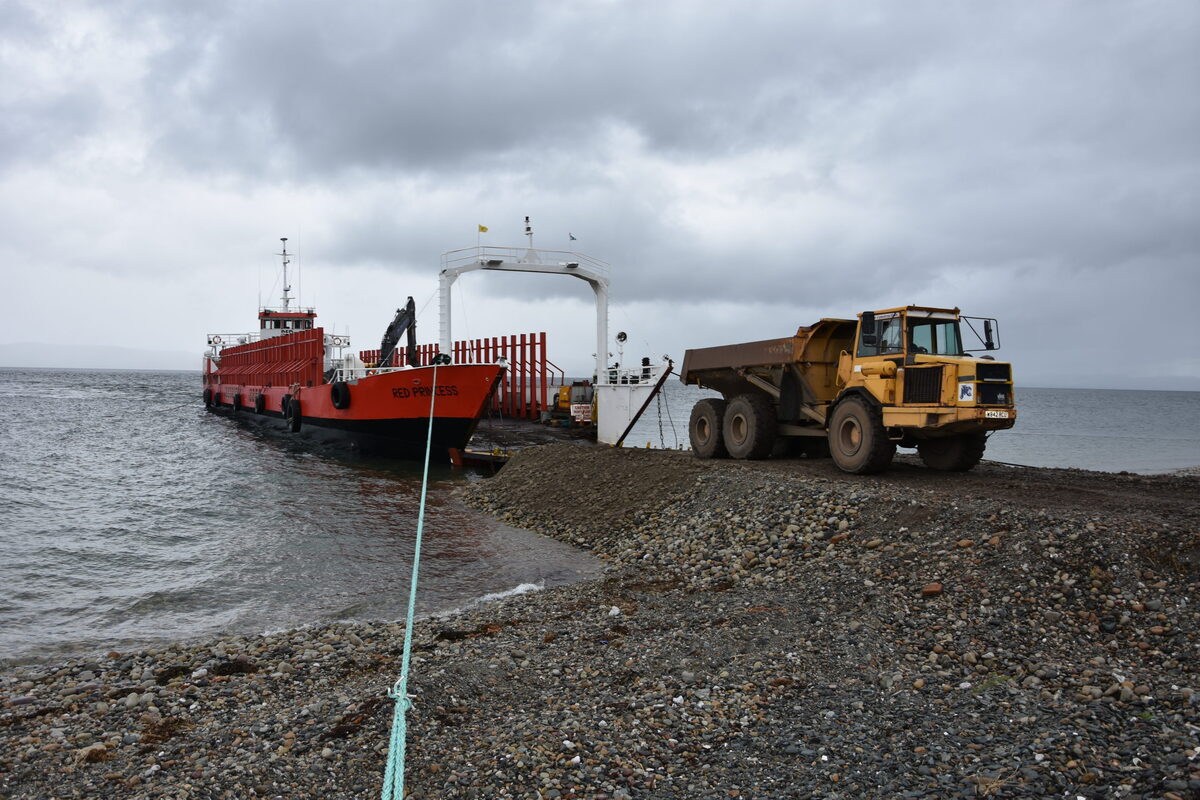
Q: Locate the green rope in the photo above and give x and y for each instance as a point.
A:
(393, 776)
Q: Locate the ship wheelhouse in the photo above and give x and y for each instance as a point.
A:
(276, 322)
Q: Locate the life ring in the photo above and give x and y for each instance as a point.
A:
(339, 393)
(208, 397)
(215, 340)
(260, 403)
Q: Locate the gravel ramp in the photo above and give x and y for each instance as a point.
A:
(763, 630)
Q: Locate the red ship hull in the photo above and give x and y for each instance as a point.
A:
(386, 413)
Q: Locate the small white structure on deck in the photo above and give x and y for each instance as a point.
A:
(619, 392)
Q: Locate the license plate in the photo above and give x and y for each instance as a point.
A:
(996, 414)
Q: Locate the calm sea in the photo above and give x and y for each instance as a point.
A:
(129, 516)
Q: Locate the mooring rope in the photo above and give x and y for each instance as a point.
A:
(393, 776)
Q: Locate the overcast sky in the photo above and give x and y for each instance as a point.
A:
(745, 168)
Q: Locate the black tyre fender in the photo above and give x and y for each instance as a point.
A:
(291, 413)
(953, 453)
(749, 426)
(857, 440)
(237, 402)
(704, 428)
(260, 403)
(208, 397)
(339, 393)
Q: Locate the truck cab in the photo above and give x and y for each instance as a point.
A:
(918, 372)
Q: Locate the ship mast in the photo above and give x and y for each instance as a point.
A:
(286, 288)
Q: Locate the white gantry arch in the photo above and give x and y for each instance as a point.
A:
(514, 259)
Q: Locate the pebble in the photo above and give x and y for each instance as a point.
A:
(750, 656)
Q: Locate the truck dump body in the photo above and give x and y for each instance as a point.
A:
(814, 351)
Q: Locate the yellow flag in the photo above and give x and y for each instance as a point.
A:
(483, 228)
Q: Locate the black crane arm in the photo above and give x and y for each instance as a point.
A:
(405, 320)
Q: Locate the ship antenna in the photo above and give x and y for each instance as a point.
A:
(286, 298)
(529, 232)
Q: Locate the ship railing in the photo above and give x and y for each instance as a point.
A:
(219, 340)
(632, 375)
(356, 373)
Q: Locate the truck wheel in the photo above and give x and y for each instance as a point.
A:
(749, 426)
(857, 440)
(953, 453)
(704, 428)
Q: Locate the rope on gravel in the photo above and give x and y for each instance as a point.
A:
(393, 776)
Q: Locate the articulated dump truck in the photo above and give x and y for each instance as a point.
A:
(856, 390)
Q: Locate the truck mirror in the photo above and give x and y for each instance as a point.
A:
(867, 322)
(988, 341)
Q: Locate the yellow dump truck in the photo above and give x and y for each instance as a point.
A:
(856, 390)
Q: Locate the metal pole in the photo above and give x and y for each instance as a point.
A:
(658, 386)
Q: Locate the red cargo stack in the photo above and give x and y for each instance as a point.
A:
(294, 358)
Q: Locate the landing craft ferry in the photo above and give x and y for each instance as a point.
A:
(292, 374)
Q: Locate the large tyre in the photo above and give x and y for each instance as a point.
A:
(291, 412)
(749, 426)
(857, 440)
(339, 393)
(208, 397)
(953, 453)
(704, 428)
(260, 403)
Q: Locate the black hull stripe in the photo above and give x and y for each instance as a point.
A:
(402, 437)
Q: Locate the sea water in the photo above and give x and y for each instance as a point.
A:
(130, 516)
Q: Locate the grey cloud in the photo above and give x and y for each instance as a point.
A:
(900, 152)
(441, 88)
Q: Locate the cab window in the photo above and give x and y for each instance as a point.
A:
(935, 336)
(889, 336)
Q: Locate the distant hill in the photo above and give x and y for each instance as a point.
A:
(39, 354)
